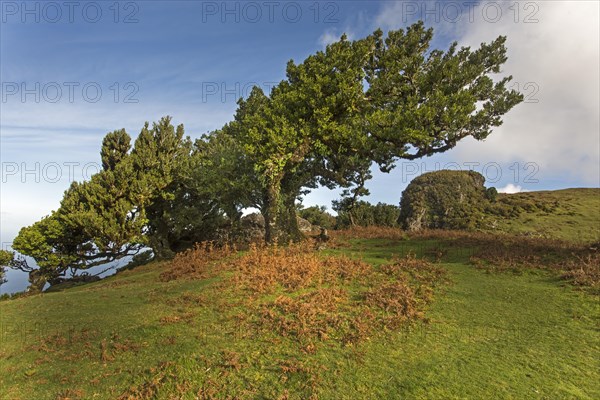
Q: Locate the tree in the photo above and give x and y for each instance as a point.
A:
(98, 221)
(308, 117)
(47, 242)
(374, 99)
(222, 171)
(115, 147)
(363, 213)
(350, 197)
(160, 157)
(318, 216)
(188, 187)
(424, 101)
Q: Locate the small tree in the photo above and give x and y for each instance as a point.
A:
(98, 221)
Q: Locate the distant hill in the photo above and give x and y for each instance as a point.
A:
(569, 214)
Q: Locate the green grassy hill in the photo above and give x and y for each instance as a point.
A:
(389, 326)
(569, 214)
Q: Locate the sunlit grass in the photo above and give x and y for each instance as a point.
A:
(485, 335)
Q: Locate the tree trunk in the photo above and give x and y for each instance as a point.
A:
(289, 220)
(37, 281)
(161, 247)
(270, 212)
(352, 223)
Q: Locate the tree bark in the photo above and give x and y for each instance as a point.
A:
(270, 212)
(37, 281)
(289, 220)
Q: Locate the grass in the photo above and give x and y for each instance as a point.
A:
(569, 214)
(525, 335)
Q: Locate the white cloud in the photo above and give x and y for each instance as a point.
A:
(557, 58)
(510, 189)
(333, 35)
(328, 37)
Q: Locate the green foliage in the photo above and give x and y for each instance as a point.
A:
(98, 221)
(491, 194)
(318, 216)
(115, 147)
(374, 99)
(444, 200)
(106, 212)
(222, 170)
(191, 186)
(365, 214)
(423, 101)
(6, 258)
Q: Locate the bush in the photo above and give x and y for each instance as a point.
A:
(491, 194)
(318, 215)
(195, 263)
(365, 214)
(444, 200)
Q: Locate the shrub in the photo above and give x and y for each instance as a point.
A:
(491, 194)
(365, 214)
(306, 296)
(315, 301)
(443, 200)
(318, 215)
(194, 263)
(295, 267)
(583, 271)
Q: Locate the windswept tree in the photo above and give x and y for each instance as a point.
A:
(163, 194)
(104, 219)
(381, 98)
(422, 101)
(186, 193)
(98, 221)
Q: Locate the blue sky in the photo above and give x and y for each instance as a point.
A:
(192, 59)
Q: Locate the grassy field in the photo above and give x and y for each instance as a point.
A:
(568, 214)
(523, 334)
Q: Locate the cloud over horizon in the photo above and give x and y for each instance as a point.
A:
(554, 60)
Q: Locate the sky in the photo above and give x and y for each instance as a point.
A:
(71, 72)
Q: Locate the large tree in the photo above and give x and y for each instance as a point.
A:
(381, 98)
(159, 156)
(189, 186)
(221, 170)
(423, 101)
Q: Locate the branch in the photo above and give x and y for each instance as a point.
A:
(20, 264)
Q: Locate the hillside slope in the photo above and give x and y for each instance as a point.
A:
(568, 214)
(153, 333)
